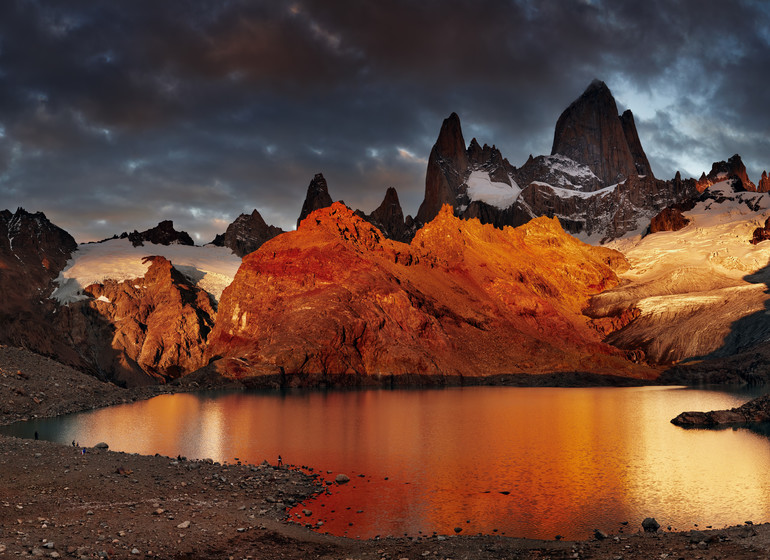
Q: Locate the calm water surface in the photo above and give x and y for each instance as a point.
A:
(532, 462)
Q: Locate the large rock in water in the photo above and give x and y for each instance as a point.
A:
(317, 197)
(756, 411)
(246, 234)
(590, 132)
(464, 299)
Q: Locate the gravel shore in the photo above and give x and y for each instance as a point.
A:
(58, 502)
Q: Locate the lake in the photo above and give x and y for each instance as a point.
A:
(526, 462)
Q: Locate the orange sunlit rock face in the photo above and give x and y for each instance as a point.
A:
(464, 299)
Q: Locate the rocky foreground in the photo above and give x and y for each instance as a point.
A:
(58, 502)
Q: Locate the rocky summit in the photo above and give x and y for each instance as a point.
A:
(597, 180)
(591, 133)
(246, 234)
(464, 299)
(162, 234)
(317, 197)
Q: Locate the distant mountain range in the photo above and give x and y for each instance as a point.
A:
(678, 289)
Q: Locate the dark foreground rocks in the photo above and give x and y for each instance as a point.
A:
(754, 412)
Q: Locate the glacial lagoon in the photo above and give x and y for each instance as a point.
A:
(524, 462)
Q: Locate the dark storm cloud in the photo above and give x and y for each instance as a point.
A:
(115, 115)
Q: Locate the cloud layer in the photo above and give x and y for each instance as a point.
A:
(115, 115)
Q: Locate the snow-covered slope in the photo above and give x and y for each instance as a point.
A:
(210, 268)
(482, 188)
(700, 291)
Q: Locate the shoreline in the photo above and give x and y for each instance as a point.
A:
(56, 502)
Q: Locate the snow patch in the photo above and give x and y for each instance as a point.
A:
(482, 188)
(209, 267)
(569, 193)
(104, 299)
(568, 166)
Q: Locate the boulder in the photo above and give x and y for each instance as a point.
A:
(669, 219)
(761, 233)
(650, 525)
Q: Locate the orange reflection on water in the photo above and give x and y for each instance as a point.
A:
(527, 462)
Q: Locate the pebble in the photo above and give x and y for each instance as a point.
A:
(135, 551)
(342, 478)
(183, 525)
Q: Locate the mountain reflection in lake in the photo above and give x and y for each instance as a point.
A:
(531, 462)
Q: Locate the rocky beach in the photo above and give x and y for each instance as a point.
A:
(58, 501)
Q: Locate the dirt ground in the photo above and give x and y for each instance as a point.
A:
(58, 502)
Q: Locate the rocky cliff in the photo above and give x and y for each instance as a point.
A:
(464, 299)
(388, 217)
(32, 252)
(246, 234)
(597, 181)
(317, 197)
(590, 132)
(447, 167)
(733, 170)
(145, 330)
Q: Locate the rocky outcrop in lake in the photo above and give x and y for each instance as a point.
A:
(756, 411)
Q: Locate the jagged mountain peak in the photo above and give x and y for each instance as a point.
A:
(162, 234)
(317, 197)
(732, 169)
(590, 132)
(246, 234)
(450, 144)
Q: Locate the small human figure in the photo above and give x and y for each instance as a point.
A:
(37, 436)
(83, 451)
(73, 443)
(280, 461)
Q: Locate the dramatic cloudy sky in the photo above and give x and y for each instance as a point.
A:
(117, 114)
